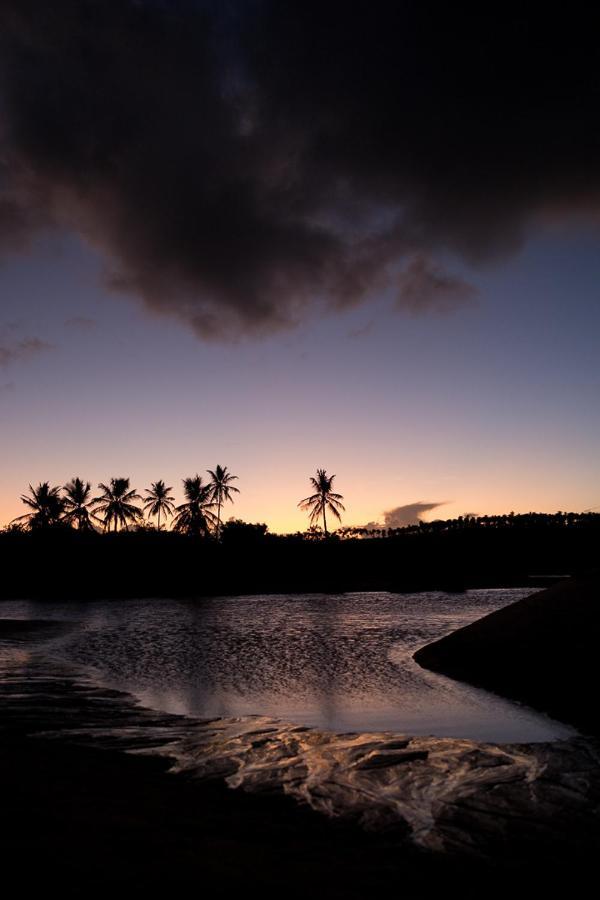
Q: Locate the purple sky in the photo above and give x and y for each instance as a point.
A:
(283, 236)
(490, 408)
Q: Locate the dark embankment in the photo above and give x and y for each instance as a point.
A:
(542, 650)
(450, 556)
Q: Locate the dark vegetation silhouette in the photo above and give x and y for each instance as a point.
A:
(105, 544)
(158, 501)
(221, 489)
(46, 505)
(195, 516)
(116, 505)
(322, 500)
(77, 503)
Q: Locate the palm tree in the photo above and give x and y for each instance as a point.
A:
(46, 504)
(115, 504)
(220, 490)
(157, 500)
(76, 502)
(322, 500)
(196, 515)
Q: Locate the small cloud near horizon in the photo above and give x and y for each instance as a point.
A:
(401, 516)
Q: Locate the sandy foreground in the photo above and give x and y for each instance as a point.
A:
(81, 816)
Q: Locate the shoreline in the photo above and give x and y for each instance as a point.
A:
(540, 651)
(533, 583)
(85, 810)
(95, 818)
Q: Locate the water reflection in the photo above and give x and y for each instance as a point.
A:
(342, 663)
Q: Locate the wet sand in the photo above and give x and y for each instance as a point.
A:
(78, 819)
(87, 819)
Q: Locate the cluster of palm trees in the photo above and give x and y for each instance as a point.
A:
(119, 506)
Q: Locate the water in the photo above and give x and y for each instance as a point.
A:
(337, 662)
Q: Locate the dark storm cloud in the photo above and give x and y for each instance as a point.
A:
(238, 163)
(424, 287)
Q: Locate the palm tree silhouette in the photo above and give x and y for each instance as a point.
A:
(76, 502)
(322, 500)
(115, 504)
(196, 515)
(220, 490)
(157, 500)
(46, 504)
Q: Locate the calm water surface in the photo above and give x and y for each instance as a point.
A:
(340, 662)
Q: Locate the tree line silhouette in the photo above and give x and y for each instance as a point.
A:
(104, 540)
(530, 520)
(119, 506)
(65, 561)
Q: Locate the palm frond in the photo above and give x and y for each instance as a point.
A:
(323, 500)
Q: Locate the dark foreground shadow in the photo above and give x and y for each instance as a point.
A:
(88, 822)
(542, 650)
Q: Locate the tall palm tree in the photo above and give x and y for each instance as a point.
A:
(157, 501)
(77, 501)
(115, 504)
(46, 504)
(220, 490)
(322, 500)
(195, 516)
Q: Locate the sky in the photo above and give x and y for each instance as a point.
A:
(231, 237)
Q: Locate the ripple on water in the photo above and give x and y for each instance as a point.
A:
(335, 662)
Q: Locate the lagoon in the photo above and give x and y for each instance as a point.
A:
(339, 662)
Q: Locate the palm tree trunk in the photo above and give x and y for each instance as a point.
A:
(324, 520)
(218, 520)
(159, 518)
